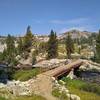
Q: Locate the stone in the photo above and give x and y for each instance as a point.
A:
(2, 85)
(71, 74)
(62, 82)
(73, 97)
(18, 57)
(50, 64)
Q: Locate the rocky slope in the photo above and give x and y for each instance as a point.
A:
(75, 34)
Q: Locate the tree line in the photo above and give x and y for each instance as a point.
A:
(26, 43)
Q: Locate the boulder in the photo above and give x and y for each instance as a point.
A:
(71, 74)
(53, 63)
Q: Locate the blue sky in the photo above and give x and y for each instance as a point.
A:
(44, 15)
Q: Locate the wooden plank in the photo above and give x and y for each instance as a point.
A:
(61, 70)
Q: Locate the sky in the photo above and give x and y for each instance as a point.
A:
(44, 15)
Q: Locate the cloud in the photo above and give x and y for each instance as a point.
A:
(72, 21)
(58, 22)
(78, 20)
(38, 21)
(84, 28)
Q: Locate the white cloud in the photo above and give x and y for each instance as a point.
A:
(58, 21)
(72, 21)
(65, 22)
(72, 28)
(38, 22)
(78, 20)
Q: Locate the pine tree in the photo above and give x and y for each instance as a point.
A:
(52, 46)
(11, 51)
(20, 46)
(69, 46)
(28, 38)
(98, 47)
(34, 58)
(10, 54)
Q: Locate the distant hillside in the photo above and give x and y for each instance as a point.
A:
(75, 34)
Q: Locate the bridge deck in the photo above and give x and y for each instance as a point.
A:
(63, 69)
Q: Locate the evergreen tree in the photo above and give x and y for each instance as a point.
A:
(52, 46)
(34, 58)
(20, 46)
(98, 47)
(11, 51)
(69, 46)
(10, 44)
(28, 38)
(9, 54)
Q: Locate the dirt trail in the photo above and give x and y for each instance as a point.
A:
(43, 84)
(43, 87)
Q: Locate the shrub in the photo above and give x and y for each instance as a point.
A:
(91, 88)
(61, 96)
(33, 58)
(81, 85)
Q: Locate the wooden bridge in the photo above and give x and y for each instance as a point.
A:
(44, 83)
(57, 72)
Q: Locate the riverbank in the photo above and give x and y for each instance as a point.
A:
(81, 88)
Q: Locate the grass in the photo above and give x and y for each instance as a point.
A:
(1, 98)
(61, 51)
(84, 90)
(24, 75)
(34, 97)
(61, 96)
(4, 93)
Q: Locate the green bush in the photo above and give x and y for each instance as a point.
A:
(33, 58)
(56, 92)
(91, 88)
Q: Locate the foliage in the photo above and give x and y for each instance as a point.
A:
(10, 43)
(86, 91)
(2, 57)
(91, 38)
(69, 46)
(25, 54)
(10, 51)
(24, 75)
(28, 39)
(2, 98)
(33, 58)
(61, 96)
(34, 97)
(42, 47)
(9, 54)
(98, 48)
(20, 46)
(91, 88)
(52, 46)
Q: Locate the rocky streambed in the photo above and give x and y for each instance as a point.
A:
(89, 72)
(90, 76)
